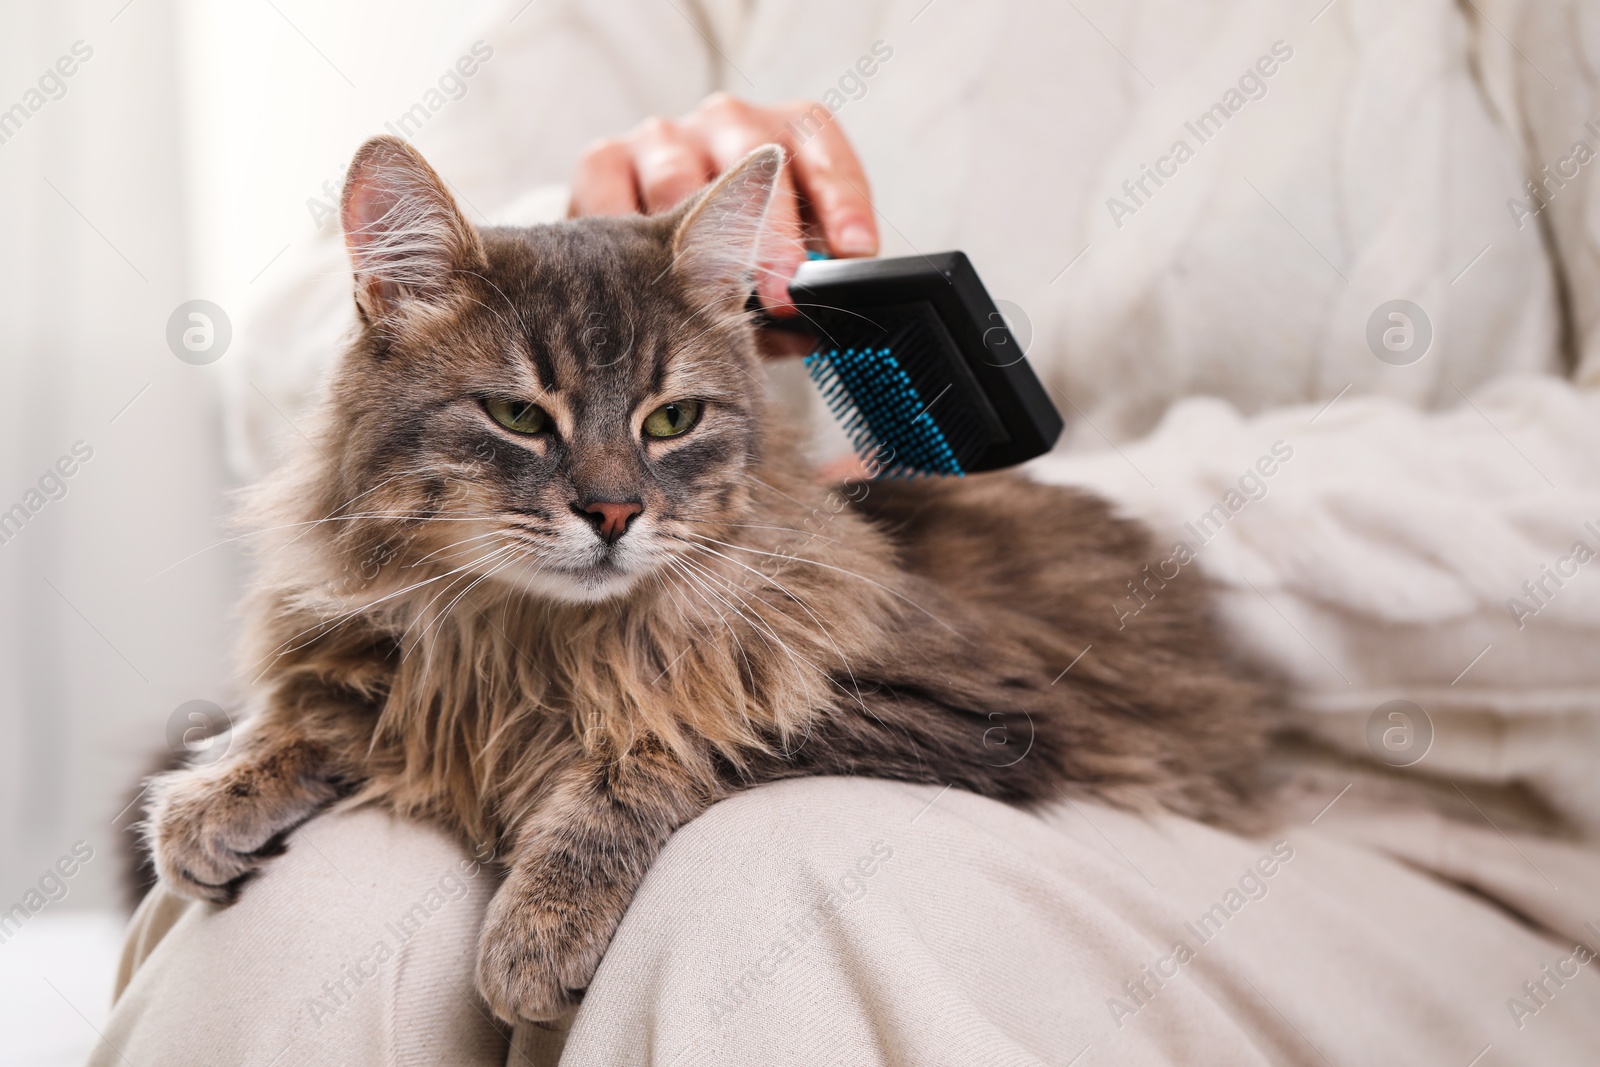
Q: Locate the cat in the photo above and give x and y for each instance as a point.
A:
(550, 571)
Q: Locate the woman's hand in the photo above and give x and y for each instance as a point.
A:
(657, 165)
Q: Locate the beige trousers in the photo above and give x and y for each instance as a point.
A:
(862, 922)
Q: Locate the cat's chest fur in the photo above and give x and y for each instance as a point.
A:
(737, 652)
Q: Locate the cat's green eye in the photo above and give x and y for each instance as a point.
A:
(669, 420)
(518, 416)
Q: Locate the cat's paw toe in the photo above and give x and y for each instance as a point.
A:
(524, 988)
(206, 839)
(535, 961)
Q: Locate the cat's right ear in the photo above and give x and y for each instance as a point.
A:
(407, 239)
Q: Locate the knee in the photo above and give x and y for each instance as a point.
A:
(364, 919)
(367, 876)
(807, 834)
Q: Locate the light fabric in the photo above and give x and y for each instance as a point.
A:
(1186, 332)
(374, 968)
(1229, 311)
(1377, 561)
(851, 921)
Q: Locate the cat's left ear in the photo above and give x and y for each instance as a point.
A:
(408, 240)
(718, 242)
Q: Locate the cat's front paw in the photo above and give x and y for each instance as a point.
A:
(540, 946)
(211, 828)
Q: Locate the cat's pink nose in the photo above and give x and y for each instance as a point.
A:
(610, 518)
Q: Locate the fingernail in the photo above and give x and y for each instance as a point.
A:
(856, 240)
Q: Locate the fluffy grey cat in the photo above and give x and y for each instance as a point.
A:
(559, 597)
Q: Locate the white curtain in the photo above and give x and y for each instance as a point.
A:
(99, 641)
(175, 162)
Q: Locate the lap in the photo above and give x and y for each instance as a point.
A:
(846, 920)
(856, 921)
(355, 946)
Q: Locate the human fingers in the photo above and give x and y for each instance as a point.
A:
(828, 173)
(604, 182)
(669, 163)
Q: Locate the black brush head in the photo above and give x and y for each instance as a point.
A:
(920, 366)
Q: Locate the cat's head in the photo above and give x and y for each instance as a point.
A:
(558, 405)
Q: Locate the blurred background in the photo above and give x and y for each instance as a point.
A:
(175, 163)
(170, 167)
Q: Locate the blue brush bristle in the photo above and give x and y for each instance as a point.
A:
(887, 419)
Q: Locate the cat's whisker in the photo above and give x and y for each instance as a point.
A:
(517, 555)
(486, 752)
(701, 580)
(688, 612)
(454, 544)
(327, 625)
(409, 472)
(767, 633)
(410, 519)
(428, 581)
(421, 615)
(821, 626)
(758, 526)
(670, 589)
(732, 588)
(764, 628)
(831, 309)
(824, 337)
(486, 307)
(290, 526)
(443, 615)
(719, 324)
(702, 590)
(801, 660)
(505, 611)
(845, 571)
(855, 687)
(768, 485)
(734, 319)
(403, 516)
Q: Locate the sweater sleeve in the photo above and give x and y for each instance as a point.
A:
(1372, 551)
(1539, 63)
